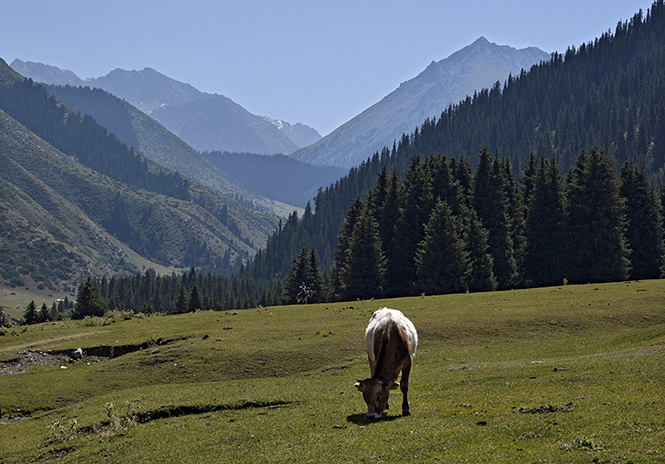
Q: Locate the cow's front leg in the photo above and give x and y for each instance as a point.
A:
(404, 386)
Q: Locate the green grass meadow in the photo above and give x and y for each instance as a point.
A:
(571, 374)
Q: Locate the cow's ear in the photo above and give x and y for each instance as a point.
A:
(359, 385)
(392, 385)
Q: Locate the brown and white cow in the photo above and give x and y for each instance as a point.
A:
(391, 341)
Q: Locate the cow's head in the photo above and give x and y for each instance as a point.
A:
(375, 394)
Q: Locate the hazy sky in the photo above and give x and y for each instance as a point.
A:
(316, 62)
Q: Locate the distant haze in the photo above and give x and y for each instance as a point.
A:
(317, 63)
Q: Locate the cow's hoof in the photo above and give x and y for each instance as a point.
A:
(406, 413)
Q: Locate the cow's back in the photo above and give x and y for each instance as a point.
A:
(381, 323)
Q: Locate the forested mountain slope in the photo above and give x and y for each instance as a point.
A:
(136, 129)
(61, 221)
(75, 179)
(425, 96)
(609, 93)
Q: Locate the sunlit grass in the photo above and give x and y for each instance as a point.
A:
(565, 374)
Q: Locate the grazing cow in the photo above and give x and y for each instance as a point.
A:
(391, 342)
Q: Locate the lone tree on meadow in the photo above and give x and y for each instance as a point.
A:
(88, 302)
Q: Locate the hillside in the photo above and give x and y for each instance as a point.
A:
(427, 95)
(136, 129)
(62, 221)
(102, 210)
(567, 374)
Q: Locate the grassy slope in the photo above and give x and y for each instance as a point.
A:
(276, 384)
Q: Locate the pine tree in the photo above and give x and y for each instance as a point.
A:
(545, 226)
(363, 275)
(30, 315)
(342, 254)
(298, 275)
(44, 313)
(387, 217)
(644, 231)
(416, 204)
(482, 277)
(597, 222)
(491, 203)
(314, 279)
(195, 302)
(181, 304)
(517, 221)
(88, 302)
(442, 260)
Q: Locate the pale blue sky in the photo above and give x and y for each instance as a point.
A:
(319, 63)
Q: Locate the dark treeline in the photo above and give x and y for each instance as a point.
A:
(446, 228)
(148, 292)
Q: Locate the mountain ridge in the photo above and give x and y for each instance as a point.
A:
(425, 96)
(189, 113)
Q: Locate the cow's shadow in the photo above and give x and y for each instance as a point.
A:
(360, 419)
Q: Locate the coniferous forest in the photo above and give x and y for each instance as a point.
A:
(446, 228)
(552, 177)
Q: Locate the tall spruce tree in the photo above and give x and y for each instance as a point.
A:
(644, 231)
(342, 253)
(491, 202)
(442, 259)
(545, 225)
(195, 300)
(30, 315)
(314, 279)
(301, 272)
(88, 302)
(388, 217)
(596, 221)
(44, 313)
(476, 237)
(181, 303)
(416, 204)
(363, 276)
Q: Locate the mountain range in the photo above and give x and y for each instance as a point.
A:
(208, 222)
(76, 201)
(136, 129)
(427, 95)
(204, 121)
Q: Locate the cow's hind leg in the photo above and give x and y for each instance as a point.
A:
(404, 386)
